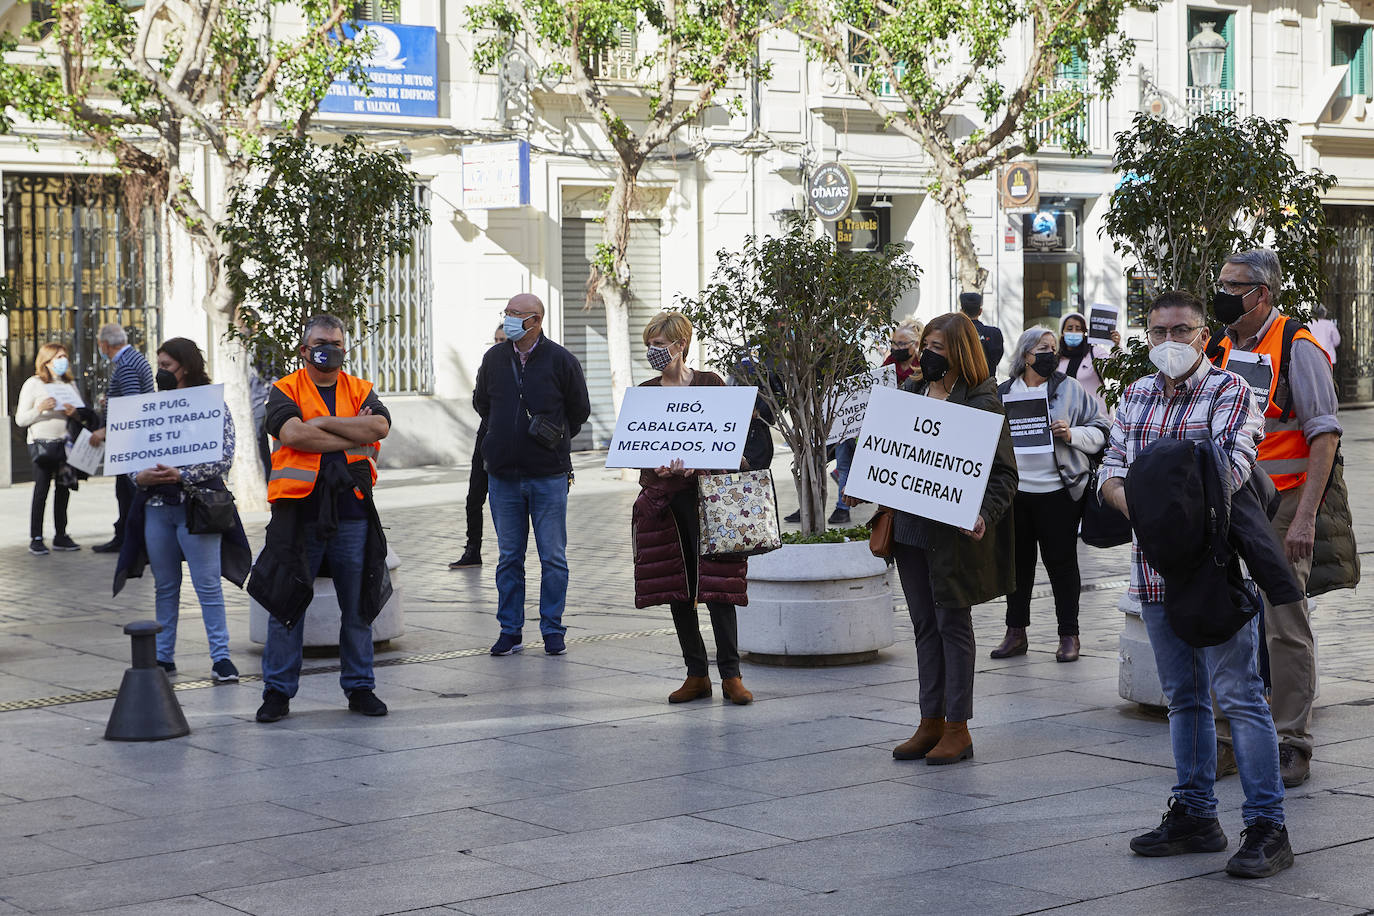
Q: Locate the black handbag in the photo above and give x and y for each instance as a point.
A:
(209, 511)
(1101, 525)
(48, 454)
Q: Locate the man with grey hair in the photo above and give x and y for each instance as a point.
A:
(130, 374)
(1291, 378)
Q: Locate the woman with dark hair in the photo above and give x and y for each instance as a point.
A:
(946, 570)
(1078, 358)
(158, 536)
(45, 420)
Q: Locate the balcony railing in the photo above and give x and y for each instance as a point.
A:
(619, 64)
(861, 70)
(1201, 101)
(1055, 131)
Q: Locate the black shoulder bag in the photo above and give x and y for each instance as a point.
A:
(542, 429)
(209, 511)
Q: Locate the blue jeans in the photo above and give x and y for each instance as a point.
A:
(167, 541)
(281, 655)
(515, 503)
(1188, 676)
(844, 458)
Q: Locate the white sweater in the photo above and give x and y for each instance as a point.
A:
(41, 424)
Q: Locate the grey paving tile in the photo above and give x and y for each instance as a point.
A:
(804, 736)
(374, 803)
(391, 888)
(87, 888)
(920, 892)
(679, 890)
(1058, 819)
(1012, 740)
(249, 741)
(29, 818)
(1338, 875)
(33, 775)
(1225, 896)
(153, 761)
(629, 847)
(1032, 777)
(811, 772)
(175, 906)
(402, 838)
(24, 856)
(1358, 752)
(189, 793)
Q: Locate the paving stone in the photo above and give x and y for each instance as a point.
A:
(357, 805)
(1031, 777)
(24, 856)
(1223, 895)
(176, 906)
(942, 892)
(29, 818)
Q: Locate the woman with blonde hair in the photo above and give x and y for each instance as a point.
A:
(901, 354)
(46, 421)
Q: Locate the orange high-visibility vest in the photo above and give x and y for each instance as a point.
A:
(1283, 453)
(293, 471)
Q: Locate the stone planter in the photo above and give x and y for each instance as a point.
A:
(1137, 674)
(817, 604)
(322, 617)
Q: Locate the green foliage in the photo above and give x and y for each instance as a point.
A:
(1190, 196)
(313, 233)
(794, 316)
(828, 536)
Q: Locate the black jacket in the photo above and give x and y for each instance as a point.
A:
(554, 387)
(993, 347)
(1193, 532)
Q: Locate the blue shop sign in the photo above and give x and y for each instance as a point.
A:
(402, 73)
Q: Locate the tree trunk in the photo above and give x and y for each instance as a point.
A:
(233, 369)
(808, 470)
(953, 196)
(614, 285)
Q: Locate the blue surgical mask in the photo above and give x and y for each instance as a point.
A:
(58, 366)
(1073, 338)
(514, 327)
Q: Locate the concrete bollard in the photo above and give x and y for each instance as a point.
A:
(146, 708)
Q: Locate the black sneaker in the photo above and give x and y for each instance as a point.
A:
(365, 702)
(109, 546)
(63, 542)
(471, 557)
(224, 672)
(838, 517)
(1264, 851)
(793, 518)
(275, 705)
(1179, 832)
(37, 547)
(508, 644)
(555, 645)
(169, 667)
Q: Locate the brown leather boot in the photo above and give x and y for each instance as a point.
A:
(928, 734)
(735, 691)
(956, 744)
(1014, 643)
(1068, 649)
(694, 688)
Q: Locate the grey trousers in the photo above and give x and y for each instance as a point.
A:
(945, 649)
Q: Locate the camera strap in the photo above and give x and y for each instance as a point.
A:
(520, 386)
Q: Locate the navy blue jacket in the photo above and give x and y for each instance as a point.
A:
(553, 387)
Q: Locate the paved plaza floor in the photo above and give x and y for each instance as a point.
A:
(537, 784)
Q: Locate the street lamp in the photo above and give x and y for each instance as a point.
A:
(1207, 53)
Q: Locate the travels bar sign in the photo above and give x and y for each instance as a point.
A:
(831, 191)
(402, 74)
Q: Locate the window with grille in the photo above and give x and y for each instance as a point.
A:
(42, 14)
(377, 11)
(1350, 48)
(398, 357)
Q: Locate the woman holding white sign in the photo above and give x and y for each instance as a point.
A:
(1049, 496)
(161, 519)
(666, 530)
(946, 570)
(45, 418)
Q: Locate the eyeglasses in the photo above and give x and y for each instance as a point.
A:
(523, 316)
(1181, 332)
(1236, 288)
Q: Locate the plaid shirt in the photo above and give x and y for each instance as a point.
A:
(1211, 403)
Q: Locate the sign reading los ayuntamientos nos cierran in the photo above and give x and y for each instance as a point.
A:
(831, 191)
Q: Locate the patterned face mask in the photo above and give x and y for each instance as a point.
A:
(659, 357)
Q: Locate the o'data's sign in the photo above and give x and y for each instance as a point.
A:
(923, 456)
(831, 190)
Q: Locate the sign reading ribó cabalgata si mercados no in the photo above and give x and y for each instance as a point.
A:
(830, 191)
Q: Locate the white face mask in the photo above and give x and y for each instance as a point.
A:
(1173, 358)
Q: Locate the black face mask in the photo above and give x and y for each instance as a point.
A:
(901, 354)
(1044, 364)
(933, 366)
(1228, 307)
(326, 357)
(166, 380)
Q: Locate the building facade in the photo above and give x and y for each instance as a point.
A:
(522, 216)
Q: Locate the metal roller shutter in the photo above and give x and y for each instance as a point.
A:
(584, 329)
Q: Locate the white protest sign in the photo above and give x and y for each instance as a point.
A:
(705, 427)
(1102, 322)
(64, 393)
(923, 456)
(853, 403)
(84, 456)
(175, 428)
(1028, 413)
(1256, 369)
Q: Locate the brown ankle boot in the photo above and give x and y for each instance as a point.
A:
(1014, 643)
(1068, 649)
(694, 688)
(918, 745)
(956, 744)
(735, 691)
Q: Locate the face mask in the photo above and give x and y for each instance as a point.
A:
(58, 366)
(901, 354)
(1229, 308)
(166, 380)
(514, 328)
(326, 357)
(659, 358)
(1045, 364)
(933, 366)
(1073, 338)
(1173, 358)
